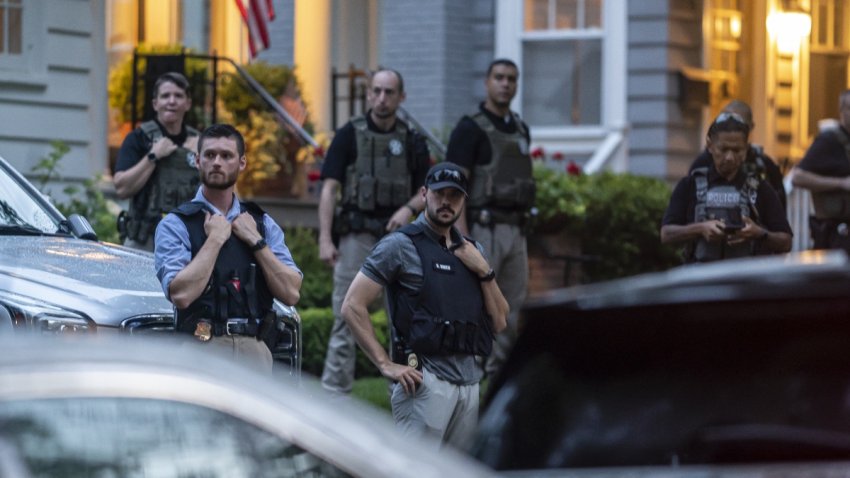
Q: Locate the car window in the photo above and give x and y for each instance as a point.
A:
(119, 437)
(18, 208)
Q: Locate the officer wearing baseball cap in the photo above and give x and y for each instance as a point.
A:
(444, 308)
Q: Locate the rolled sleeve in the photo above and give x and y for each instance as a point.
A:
(275, 239)
(172, 250)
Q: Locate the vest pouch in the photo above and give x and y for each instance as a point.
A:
(366, 193)
(427, 333)
(383, 193)
(526, 190)
(832, 205)
(401, 193)
(505, 195)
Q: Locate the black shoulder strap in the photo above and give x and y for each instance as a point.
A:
(190, 208)
(257, 213)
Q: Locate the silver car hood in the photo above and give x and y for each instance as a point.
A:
(105, 282)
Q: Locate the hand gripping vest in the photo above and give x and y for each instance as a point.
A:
(378, 182)
(447, 316)
(174, 182)
(834, 204)
(506, 181)
(237, 288)
(726, 203)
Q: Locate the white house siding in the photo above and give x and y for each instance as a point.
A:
(63, 96)
(664, 36)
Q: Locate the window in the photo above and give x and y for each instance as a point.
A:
(11, 31)
(562, 62)
(830, 50)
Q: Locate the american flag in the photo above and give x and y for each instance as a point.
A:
(257, 14)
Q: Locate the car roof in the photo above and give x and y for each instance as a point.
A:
(343, 432)
(803, 274)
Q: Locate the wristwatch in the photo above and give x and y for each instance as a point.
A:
(259, 245)
(152, 157)
(490, 276)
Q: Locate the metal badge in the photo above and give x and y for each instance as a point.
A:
(412, 361)
(203, 331)
(396, 147)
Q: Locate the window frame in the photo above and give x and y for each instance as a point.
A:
(510, 35)
(30, 67)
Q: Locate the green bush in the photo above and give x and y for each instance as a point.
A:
(616, 216)
(88, 201)
(317, 287)
(316, 326)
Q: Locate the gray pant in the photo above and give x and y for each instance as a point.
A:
(338, 374)
(507, 253)
(443, 410)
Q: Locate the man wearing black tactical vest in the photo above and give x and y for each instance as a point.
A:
(757, 162)
(156, 163)
(222, 261)
(720, 211)
(379, 162)
(825, 172)
(444, 307)
(492, 146)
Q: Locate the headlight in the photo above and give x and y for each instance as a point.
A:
(31, 314)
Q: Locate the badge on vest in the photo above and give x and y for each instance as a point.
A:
(443, 268)
(396, 148)
(522, 144)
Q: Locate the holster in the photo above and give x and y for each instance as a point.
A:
(829, 233)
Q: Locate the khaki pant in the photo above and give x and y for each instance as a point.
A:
(240, 348)
(338, 373)
(443, 410)
(507, 253)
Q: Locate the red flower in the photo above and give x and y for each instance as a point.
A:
(558, 156)
(319, 151)
(537, 153)
(314, 175)
(573, 169)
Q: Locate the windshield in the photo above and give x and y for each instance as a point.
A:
(20, 211)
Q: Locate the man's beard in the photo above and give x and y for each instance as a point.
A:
(228, 181)
(435, 218)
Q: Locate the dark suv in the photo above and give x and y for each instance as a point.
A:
(56, 278)
(701, 369)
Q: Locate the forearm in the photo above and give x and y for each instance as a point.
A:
(674, 233)
(190, 283)
(496, 305)
(777, 241)
(327, 203)
(130, 181)
(817, 183)
(284, 282)
(356, 315)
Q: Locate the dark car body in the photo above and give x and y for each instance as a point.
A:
(740, 366)
(57, 278)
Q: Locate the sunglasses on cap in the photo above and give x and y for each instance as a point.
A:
(446, 175)
(726, 116)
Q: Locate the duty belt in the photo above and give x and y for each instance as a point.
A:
(235, 327)
(487, 217)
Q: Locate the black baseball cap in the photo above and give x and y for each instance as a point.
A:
(446, 175)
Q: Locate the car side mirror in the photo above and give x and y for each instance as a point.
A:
(81, 227)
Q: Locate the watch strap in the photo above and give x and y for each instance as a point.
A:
(488, 277)
(259, 245)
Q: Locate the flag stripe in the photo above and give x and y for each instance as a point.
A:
(256, 14)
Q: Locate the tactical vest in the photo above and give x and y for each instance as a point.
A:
(447, 315)
(729, 204)
(506, 181)
(755, 166)
(834, 204)
(237, 287)
(174, 182)
(379, 180)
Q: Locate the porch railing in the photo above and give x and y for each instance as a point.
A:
(799, 209)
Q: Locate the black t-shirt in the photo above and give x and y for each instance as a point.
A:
(681, 209)
(773, 175)
(137, 144)
(826, 156)
(469, 145)
(343, 151)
